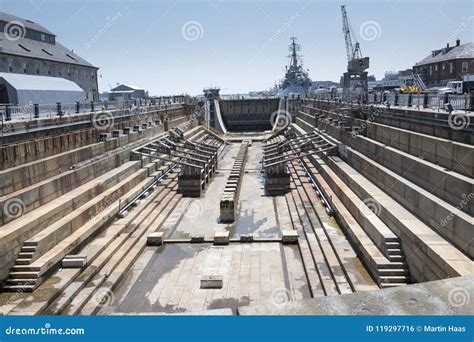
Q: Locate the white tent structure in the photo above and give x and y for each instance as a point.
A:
(21, 89)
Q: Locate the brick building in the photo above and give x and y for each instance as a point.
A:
(447, 64)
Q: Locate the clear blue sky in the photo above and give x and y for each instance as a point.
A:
(242, 45)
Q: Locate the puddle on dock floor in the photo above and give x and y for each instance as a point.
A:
(167, 279)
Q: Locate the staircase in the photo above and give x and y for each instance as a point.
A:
(396, 272)
(21, 277)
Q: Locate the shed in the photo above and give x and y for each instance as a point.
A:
(21, 89)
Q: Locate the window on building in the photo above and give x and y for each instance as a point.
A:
(451, 67)
(10, 69)
(464, 67)
(49, 72)
(24, 70)
(444, 66)
(436, 67)
(38, 71)
(43, 37)
(59, 73)
(71, 57)
(431, 70)
(47, 52)
(24, 47)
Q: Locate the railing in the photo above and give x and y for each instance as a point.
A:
(34, 111)
(437, 102)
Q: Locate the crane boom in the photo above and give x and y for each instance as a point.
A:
(347, 34)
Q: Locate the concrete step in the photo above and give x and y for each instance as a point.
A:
(19, 288)
(25, 268)
(22, 261)
(444, 152)
(28, 249)
(23, 275)
(394, 279)
(383, 272)
(388, 285)
(56, 232)
(392, 265)
(393, 251)
(422, 204)
(449, 186)
(55, 254)
(30, 243)
(25, 255)
(431, 256)
(20, 281)
(399, 258)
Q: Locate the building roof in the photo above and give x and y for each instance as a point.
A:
(33, 82)
(37, 49)
(26, 23)
(123, 87)
(446, 54)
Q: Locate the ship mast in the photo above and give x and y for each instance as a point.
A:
(294, 47)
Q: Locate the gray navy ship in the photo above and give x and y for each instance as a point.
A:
(296, 79)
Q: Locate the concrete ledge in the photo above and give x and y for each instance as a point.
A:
(289, 236)
(221, 238)
(442, 297)
(212, 282)
(155, 239)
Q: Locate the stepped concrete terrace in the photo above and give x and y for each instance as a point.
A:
(93, 219)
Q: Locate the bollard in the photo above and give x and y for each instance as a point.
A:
(36, 110)
(92, 106)
(8, 113)
(78, 107)
(396, 100)
(105, 104)
(425, 100)
(58, 109)
(410, 99)
(445, 99)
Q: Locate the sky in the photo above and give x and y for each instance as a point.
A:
(176, 47)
